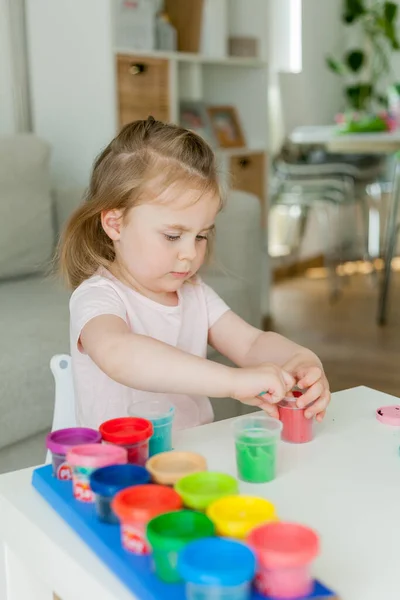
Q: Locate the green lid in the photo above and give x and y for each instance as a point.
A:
(198, 490)
(173, 530)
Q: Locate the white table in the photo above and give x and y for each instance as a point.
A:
(345, 484)
(363, 143)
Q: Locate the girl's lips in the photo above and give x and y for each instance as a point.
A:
(180, 275)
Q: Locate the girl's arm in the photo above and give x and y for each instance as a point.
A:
(144, 363)
(245, 346)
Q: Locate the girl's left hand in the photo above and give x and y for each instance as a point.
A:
(309, 375)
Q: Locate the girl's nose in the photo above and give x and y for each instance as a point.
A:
(187, 252)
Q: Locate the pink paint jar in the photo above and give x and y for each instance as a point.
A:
(285, 552)
(132, 433)
(296, 428)
(62, 440)
(136, 506)
(85, 459)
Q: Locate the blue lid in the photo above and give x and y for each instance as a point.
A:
(217, 561)
(108, 481)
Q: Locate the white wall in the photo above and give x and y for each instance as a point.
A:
(14, 94)
(72, 85)
(314, 96)
(7, 116)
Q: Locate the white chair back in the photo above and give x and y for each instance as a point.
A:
(64, 405)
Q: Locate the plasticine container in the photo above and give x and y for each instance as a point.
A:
(236, 516)
(62, 440)
(161, 413)
(256, 440)
(136, 506)
(217, 569)
(285, 552)
(108, 481)
(168, 467)
(200, 489)
(132, 433)
(85, 459)
(296, 428)
(169, 533)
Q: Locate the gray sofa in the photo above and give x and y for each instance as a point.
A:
(34, 304)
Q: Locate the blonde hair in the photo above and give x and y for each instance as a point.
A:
(136, 156)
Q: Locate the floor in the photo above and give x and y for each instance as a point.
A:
(354, 350)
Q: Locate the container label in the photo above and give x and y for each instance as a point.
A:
(64, 471)
(261, 584)
(133, 540)
(82, 490)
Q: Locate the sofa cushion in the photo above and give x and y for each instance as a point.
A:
(35, 326)
(26, 231)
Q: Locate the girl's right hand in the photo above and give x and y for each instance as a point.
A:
(267, 379)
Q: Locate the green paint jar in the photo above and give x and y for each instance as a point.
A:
(256, 440)
(169, 533)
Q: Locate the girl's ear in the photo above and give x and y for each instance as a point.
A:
(111, 221)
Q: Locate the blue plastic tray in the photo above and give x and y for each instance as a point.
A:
(134, 571)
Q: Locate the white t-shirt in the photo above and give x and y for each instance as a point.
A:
(185, 326)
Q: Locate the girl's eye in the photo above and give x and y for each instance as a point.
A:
(200, 238)
(171, 238)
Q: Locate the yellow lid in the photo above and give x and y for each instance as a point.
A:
(236, 516)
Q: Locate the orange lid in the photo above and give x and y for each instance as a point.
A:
(143, 502)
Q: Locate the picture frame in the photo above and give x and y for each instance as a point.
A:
(193, 115)
(226, 126)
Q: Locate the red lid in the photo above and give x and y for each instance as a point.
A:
(389, 415)
(126, 430)
(143, 502)
(281, 545)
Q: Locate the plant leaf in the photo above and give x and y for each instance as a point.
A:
(359, 96)
(390, 33)
(381, 99)
(353, 10)
(355, 60)
(390, 11)
(336, 66)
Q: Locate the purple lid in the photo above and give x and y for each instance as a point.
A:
(60, 441)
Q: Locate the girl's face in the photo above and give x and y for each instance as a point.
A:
(160, 245)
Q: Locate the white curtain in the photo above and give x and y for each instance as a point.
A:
(14, 84)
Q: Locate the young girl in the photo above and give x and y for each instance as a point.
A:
(141, 317)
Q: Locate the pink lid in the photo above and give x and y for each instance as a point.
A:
(389, 415)
(96, 455)
(284, 545)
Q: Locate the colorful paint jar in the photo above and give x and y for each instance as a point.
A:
(161, 413)
(62, 440)
(296, 428)
(169, 533)
(236, 516)
(200, 489)
(285, 552)
(217, 569)
(256, 440)
(132, 433)
(108, 481)
(85, 459)
(169, 467)
(136, 506)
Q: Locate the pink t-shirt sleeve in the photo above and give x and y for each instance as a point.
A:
(216, 307)
(92, 299)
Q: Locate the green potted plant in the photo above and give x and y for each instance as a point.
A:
(373, 29)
